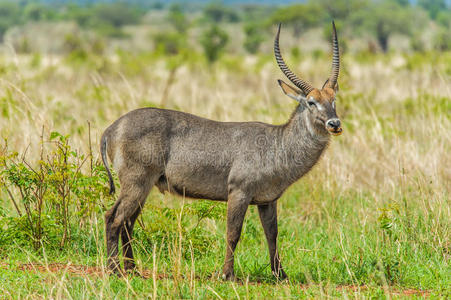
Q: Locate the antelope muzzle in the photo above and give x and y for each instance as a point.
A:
(334, 126)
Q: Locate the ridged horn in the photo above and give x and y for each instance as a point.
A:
(303, 85)
(335, 59)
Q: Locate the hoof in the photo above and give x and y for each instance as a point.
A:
(115, 272)
(113, 267)
(134, 272)
(129, 267)
(228, 276)
(281, 275)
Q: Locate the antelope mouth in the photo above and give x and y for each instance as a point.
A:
(335, 131)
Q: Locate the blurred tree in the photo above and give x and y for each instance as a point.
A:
(403, 2)
(177, 18)
(442, 39)
(253, 37)
(9, 16)
(327, 33)
(213, 41)
(105, 18)
(255, 12)
(81, 15)
(384, 18)
(169, 43)
(116, 14)
(34, 11)
(444, 18)
(433, 7)
(342, 9)
(417, 43)
(299, 16)
(156, 5)
(174, 46)
(73, 42)
(217, 12)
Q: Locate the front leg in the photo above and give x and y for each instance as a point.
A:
(237, 205)
(268, 217)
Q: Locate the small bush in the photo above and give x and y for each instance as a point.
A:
(61, 190)
(169, 43)
(178, 19)
(442, 40)
(214, 41)
(253, 38)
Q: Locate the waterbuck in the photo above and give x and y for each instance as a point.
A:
(242, 163)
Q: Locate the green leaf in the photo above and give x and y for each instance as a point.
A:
(54, 134)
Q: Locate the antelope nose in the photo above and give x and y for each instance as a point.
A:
(333, 123)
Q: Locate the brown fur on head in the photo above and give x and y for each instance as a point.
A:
(320, 103)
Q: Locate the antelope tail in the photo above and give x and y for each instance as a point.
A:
(103, 145)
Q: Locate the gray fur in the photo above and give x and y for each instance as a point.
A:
(242, 163)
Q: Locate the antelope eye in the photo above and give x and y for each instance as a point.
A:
(311, 103)
(333, 104)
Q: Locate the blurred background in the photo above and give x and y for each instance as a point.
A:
(377, 203)
(56, 26)
(215, 59)
(150, 47)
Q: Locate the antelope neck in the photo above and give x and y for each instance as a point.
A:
(301, 139)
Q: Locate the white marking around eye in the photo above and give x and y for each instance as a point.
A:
(319, 106)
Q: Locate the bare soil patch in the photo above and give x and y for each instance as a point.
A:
(79, 270)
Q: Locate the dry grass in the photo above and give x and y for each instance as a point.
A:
(395, 150)
(384, 142)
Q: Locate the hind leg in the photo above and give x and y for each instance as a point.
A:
(126, 238)
(111, 239)
(136, 183)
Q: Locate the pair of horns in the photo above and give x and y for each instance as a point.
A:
(304, 85)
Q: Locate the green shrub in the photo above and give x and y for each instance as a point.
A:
(253, 37)
(52, 195)
(442, 40)
(169, 43)
(217, 12)
(9, 16)
(177, 18)
(213, 41)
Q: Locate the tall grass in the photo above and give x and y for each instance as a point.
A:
(372, 219)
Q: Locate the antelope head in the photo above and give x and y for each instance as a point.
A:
(319, 103)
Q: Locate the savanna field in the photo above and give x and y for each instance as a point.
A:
(371, 220)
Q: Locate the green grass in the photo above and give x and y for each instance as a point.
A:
(372, 220)
(329, 244)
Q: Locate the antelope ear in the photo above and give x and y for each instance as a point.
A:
(290, 91)
(335, 88)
